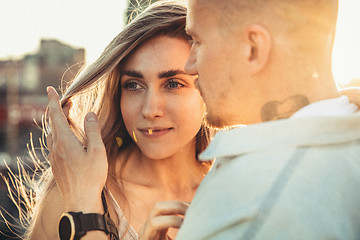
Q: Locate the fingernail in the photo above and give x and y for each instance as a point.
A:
(90, 117)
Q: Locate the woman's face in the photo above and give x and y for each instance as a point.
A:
(161, 108)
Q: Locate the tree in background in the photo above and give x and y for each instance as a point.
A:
(135, 7)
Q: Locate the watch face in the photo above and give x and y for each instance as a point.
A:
(66, 227)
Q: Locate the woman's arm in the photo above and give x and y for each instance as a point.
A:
(46, 221)
(80, 171)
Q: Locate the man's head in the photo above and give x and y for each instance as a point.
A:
(246, 52)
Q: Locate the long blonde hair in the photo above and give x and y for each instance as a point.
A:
(97, 89)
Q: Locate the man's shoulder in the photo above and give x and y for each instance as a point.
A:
(291, 188)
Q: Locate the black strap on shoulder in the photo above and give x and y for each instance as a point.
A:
(110, 225)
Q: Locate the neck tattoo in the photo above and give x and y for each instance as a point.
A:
(275, 110)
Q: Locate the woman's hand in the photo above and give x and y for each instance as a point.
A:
(79, 171)
(163, 216)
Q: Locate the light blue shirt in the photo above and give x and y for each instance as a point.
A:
(288, 179)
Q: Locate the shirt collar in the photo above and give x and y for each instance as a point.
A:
(330, 107)
(298, 132)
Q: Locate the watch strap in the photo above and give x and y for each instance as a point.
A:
(92, 221)
(95, 221)
(85, 222)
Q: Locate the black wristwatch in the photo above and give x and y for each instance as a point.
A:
(75, 225)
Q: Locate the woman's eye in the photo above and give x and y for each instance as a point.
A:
(174, 85)
(132, 86)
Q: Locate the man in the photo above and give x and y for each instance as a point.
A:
(294, 171)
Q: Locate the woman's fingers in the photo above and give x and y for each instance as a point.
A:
(165, 222)
(57, 117)
(66, 108)
(49, 141)
(92, 132)
(158, 227)
(169, 207)
(60, 129)
(163, 216)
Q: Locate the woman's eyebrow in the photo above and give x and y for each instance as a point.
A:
(134, 74)
(170, 73)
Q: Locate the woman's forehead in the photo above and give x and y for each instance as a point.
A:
(160, 53)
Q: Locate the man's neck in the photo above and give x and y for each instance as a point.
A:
(291, 96)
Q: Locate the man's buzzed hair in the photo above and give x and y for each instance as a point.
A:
(321, 14)
(311, 20)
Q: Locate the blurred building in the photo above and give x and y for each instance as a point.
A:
(23, 100)
(23, 85)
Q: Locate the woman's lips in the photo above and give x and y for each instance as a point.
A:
(155, 132)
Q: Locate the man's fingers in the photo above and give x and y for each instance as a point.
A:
(92, 132)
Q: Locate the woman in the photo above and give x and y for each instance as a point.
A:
(142, 132)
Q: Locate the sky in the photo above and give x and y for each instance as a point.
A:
(346, 55)
(92, 24)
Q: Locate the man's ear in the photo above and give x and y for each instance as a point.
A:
(259, 41)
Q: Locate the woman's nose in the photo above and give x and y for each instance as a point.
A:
(153, 105)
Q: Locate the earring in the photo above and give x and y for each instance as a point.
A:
(119, 142)
(134, 136)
